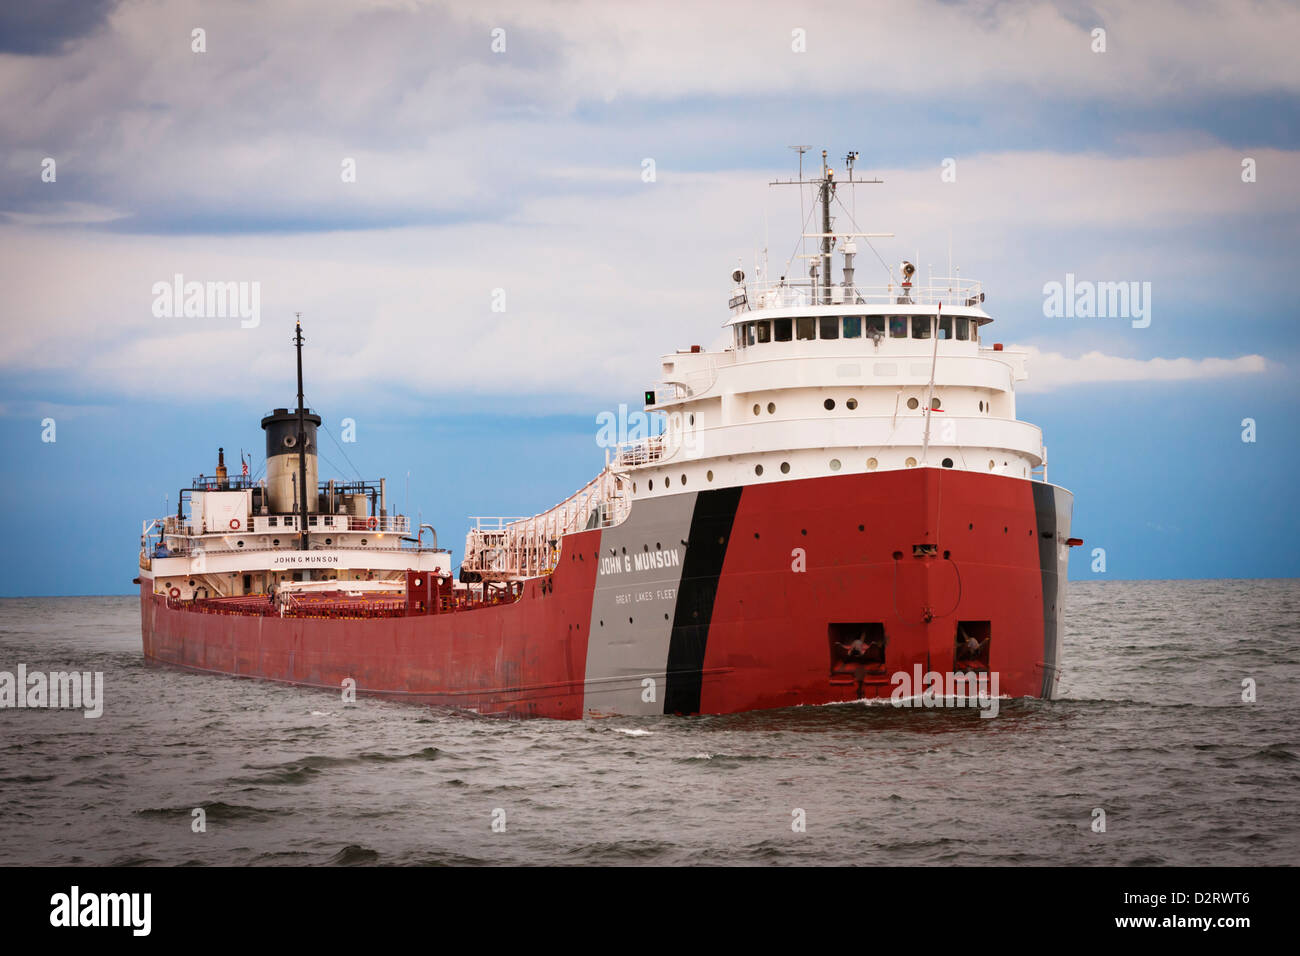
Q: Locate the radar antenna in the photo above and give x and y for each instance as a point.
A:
(820, 271)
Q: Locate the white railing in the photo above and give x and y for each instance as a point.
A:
(782, 294)
(642, 452)
(270, 524)
(688, 384)
(499, 549)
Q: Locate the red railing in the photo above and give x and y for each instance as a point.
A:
(333, 607)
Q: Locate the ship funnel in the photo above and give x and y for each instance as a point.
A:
(281, 428)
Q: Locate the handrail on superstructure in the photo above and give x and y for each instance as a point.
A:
(785, 293)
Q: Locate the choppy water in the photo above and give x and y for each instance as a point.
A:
(1151, 728)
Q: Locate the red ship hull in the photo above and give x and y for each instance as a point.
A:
(717, 601)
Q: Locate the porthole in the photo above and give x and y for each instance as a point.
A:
(708, 475)
(991, 466)
(935, 403)
(667, 480)
(912, 403)
(329, 540)
(683, 479)
(758, 469)
(239, 544)
(835, 464)
(757, 409)
(692, 419)
(191, 584)
(981, 406)
(651, 484)
(634, 487)
(947, 463)
(363, 542)
(872, 464)
(829, 404)
(785, 468)
(276, 542)
(851, 404)
(771, 408)
(910, 463)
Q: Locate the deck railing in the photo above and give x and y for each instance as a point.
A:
(786, 293)
(268, 524)
(505, 549)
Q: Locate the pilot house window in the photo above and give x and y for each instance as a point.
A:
(945, 328)
(853, 326)
(830, 326)
(921, 326)
(963, 329)
(764, 332)
(875, 325)
(898, 326)
(805, 328)
(782, 329)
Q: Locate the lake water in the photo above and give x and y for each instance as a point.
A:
(1150, 728)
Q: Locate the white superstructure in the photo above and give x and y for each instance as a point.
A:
(803, 391)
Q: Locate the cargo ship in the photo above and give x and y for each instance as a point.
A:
(838, 492)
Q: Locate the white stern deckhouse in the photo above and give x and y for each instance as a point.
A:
(257, 538)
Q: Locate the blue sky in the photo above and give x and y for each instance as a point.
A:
(522, 170)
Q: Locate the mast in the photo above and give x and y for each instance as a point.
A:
(827, 187)
(819, 268)
(302, 443)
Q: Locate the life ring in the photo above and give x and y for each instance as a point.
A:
(372, 524)
(174, 593)
(234, 524)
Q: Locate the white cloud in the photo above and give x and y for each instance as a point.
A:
(598, 286)
(257, 126)
(1052, 370)
(1155, 50)
(66, 214)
